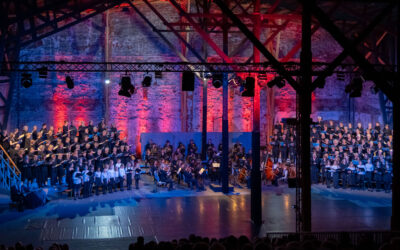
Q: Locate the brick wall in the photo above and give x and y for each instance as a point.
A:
(158, 109)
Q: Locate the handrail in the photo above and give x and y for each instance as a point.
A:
(17, 171)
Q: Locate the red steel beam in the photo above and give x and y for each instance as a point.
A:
(201, 32)
(250, 16)
(297, 46)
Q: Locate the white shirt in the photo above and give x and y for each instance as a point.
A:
(369, 167)
(85, 175)
(334, 167)
(111, 173)
(104, 176)
(97, 174)
(121, 172)
(76, 180)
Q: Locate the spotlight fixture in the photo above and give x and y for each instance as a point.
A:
(70, 82)
(249, 87)
(277, 81)
(127, 89)
(107, 81)
(263, 76)
(146, 81)
(26, 80)
(158, 74)
(42, 72)
(355, 87)
(217, 80)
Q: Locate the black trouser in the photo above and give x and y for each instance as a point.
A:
(97, 181)
(275, 155)
(336, 180)
(43, 175)
(137, 178)
(314, 174)
(121, 183)
(284, 155)
(86, 188)
(379, 181)
(128, 181)
(77, 190)
(111, 184)
(387, 181)
(368, 179)
(360, 181)
(105, 185)
(60, 173)
(328, 177)
(351, 179)
(169, 182)
(54, 176)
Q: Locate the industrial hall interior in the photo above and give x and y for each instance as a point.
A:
(200, 124)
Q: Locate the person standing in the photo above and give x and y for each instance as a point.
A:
(97, 180)
(129, 172)
(121, 176)
(105, 179)
(137, 175)
(77, 180)
(86, 180)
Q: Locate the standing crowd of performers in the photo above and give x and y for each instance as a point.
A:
(92, 159)
(84, 158)
(343, 156)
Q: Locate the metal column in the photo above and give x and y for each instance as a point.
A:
(256, 211)
(305, 112)
(225, 127)
(204, 123)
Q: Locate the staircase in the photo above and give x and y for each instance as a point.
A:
(9, 173)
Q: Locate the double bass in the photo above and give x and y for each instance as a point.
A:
(269, 172)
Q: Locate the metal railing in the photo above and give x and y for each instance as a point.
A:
(9, 172)
(354, 238)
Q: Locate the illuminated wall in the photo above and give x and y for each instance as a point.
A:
(158, 109)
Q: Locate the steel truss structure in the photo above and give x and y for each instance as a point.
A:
(292, 68)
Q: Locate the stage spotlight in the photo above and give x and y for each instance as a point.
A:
(277, 81)
(217, 80)
(127, 89)
(249, 87)
(26, 80)
(70, 82)
(146, 81)
(158, 74)
(107, 81)
(263, 76)
(42, 72)
(188, 81)
(355, 87)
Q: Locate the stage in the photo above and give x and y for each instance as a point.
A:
(110, 221)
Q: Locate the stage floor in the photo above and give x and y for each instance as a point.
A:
(110, 221)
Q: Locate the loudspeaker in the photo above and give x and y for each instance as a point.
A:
(188, 81)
